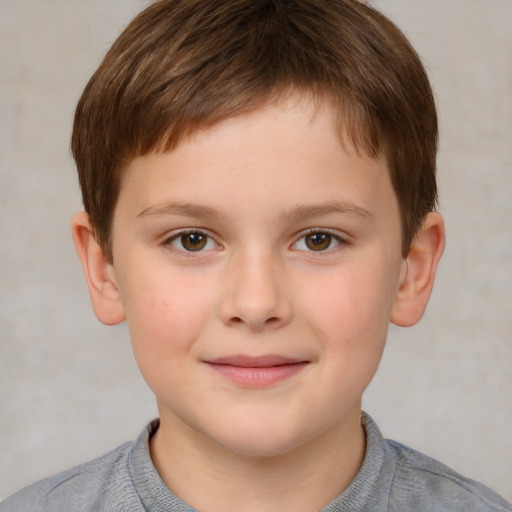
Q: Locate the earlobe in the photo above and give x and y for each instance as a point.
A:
(419, 271)
(99, 273)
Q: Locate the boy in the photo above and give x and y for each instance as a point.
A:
(259, 186)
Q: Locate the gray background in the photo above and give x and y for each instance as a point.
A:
(69, 388)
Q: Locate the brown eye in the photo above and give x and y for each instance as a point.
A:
(318, 241)
(193, 241)
(188, 241)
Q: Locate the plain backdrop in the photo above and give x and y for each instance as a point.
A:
(69, 389)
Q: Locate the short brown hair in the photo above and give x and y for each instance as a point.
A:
(182, 65)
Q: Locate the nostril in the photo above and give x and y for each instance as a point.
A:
(269, 322)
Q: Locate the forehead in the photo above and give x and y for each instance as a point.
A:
(290, 118)
(354, 128)
(284, 157)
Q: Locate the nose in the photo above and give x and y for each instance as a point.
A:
(255, 294)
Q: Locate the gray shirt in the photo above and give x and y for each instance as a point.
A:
(393, 478)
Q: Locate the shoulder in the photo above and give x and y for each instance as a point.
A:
(423, 483)
(82, 488)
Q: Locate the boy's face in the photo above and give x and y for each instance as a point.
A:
(257, 266)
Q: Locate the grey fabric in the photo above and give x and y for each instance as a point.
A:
(393, 478)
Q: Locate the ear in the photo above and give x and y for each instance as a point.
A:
(99, 273)
(419, 271)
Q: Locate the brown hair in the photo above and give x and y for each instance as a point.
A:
(182, 65)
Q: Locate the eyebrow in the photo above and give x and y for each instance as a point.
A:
(318, 210)
(181, 209)
(296, 213)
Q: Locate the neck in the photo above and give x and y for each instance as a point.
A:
(211, 478)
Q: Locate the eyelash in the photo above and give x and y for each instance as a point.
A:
(333, 238)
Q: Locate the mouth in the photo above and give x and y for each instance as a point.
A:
(256, 372)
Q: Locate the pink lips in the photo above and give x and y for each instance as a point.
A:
(256, 372)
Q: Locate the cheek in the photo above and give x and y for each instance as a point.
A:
(350, 309)
(165, 317)
(351, 322)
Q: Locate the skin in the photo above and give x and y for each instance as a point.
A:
(301, 260)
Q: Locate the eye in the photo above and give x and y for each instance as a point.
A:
(317, 241)
(191, 241)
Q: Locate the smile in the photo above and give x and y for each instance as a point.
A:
(256, 372)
